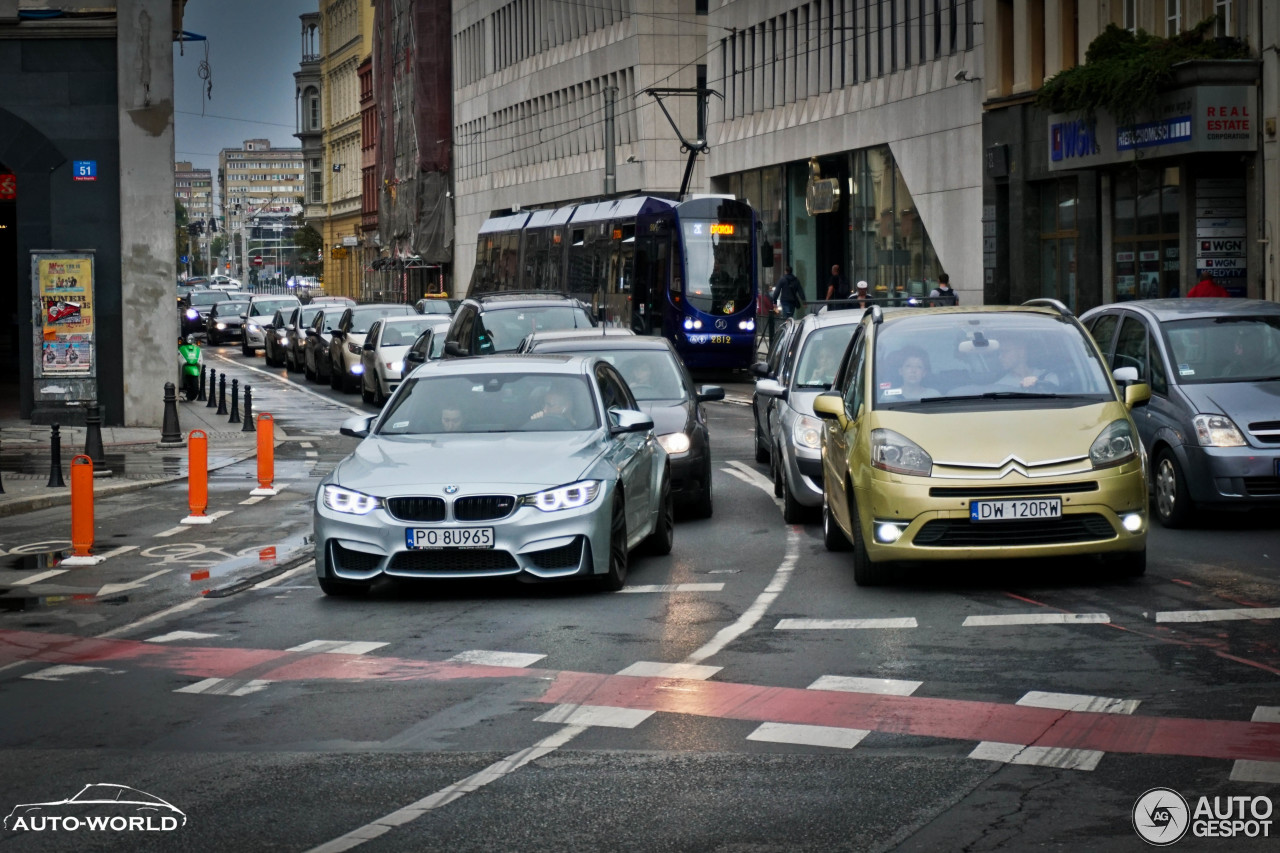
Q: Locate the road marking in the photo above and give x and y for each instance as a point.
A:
(251, 501)
(113, 588)
(58, 673)
(305, 444)
(312, 454)
(338, 647)
(808, 735)
(1036, 619)
(595, 715)
(182, 528)
(657, 669)
(175, 636)
(159, 614)
(675, 587)
(1259, 771)
(293, 385)
(849, 684)
(1077, 702)
(952, 719)
(116, 552)
(308, 566)
(447, 795)
(225, 687)
(487, 658)
(30, 579)
(1232, 614)
(843, 624)
(750, 475)
(1038, 756)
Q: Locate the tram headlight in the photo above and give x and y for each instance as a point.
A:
(747, 325)
(688, 323)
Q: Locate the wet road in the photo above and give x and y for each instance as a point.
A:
(742, 694)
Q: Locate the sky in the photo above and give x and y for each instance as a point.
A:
(254, 48)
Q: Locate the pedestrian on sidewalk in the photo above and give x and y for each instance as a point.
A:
(788, 294)
(1208, 287)
(943, 294)
(838, 287)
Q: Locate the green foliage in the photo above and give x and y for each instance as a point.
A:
(1123, 71)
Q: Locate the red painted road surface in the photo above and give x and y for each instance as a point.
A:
(912, 715)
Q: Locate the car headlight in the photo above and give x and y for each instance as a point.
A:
(339, 499)
(891, 451)
(354, 348)
(253, 327)
(397, 366)
(675, 442)
(220, 325)
(807, 432)
(193, 314)
(1217, 431)
(571, 496)
(1114, 445)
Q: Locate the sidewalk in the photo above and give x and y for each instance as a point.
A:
(133, 456)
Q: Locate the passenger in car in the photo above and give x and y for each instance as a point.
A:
(913, 370)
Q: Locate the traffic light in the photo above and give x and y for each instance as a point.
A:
(213, 226)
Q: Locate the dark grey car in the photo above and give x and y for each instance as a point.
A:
(1212, 428)
(664, 390)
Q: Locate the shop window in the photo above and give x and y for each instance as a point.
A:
(1146, 236)
(1059, 235)
(890, 248)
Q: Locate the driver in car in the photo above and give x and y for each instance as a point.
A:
(554, 405)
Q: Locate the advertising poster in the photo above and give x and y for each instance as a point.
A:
(65, 288)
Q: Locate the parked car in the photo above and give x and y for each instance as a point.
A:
(382, 364)
(348, 340)
(806, 368)
(257, 317)
(429, 344)
(665, 392)
(224, 321)
(980, 433)
(1212, 428)
(437, 305)
(539, 468)
(498, 322)
(315, 355)
(294, 340)
(275, 339)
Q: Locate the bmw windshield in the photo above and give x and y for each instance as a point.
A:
(486, 403)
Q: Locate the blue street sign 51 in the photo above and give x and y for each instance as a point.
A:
(84, 170)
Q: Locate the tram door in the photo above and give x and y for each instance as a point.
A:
(649, 285)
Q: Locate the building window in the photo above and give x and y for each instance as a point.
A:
(1059, 233)
(315, 182)
(890, 248)
(1225, 25)
(1129, 15)
(1172, 17)
(1146, 232)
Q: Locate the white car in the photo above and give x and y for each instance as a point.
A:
(257, 315)
(347, 342)
(224, 282)
(384, 349)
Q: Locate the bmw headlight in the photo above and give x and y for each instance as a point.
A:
(571, 496)
(675, 442)
(193, 314)
(220, 326)
(1114, 445)
(891, 451)
(807, 432)
(1217, 431)
(339, 499)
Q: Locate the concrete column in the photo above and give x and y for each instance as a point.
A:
(149, 323)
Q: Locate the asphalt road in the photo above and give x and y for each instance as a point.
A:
(742, 694)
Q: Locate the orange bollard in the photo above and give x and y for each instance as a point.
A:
(81, 513)
(197, 477)
(266, 455)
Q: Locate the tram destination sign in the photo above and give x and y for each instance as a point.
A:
(1194, 120)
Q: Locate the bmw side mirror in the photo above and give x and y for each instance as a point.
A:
(357, 427)
(770, 388)
(244, 316)
(760, 369)
(628, 420)
(710, 393)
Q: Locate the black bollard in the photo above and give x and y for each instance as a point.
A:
(248, 410)
(93, 437)
(200, 395)
(235, 402)
(213, 389)
(222, 394)
(1, 485)
(170, 430)
(55, 459)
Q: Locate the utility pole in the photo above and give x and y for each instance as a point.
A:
(610, 165)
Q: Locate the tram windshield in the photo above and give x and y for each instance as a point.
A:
(718, 265)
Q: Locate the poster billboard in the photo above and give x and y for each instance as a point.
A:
(64, 323)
